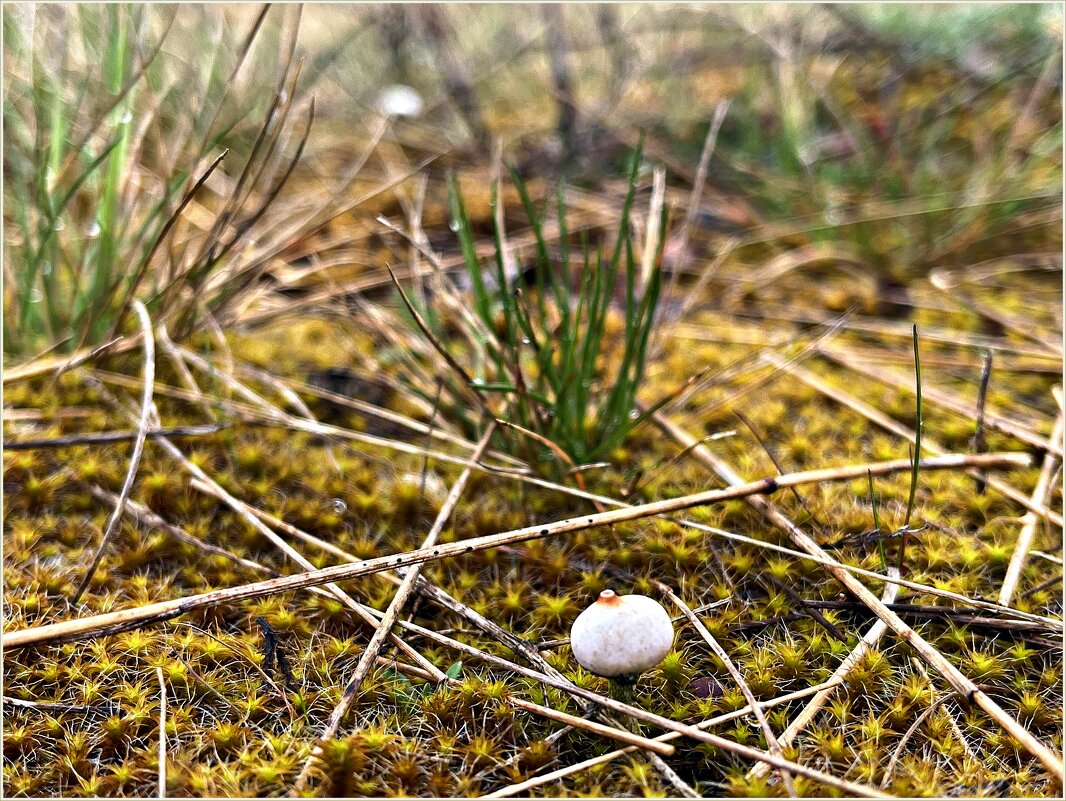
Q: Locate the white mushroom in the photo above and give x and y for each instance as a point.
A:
(621, 635)
(399, 100)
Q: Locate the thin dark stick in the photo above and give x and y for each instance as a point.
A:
(1043, 585)
(979, 444)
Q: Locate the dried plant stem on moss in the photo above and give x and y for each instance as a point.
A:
(108, 437)
(959, 682)
(162, 733)
(427, 590)
(250, 417)
(1025, 537)
(147, 415)
(1015, 428)
(772, 744)
(889, 424)
(864, 646)
(238, 506)
(430, 591)
(100, 625)
(392, 613)
(536, 781)
(637, 713)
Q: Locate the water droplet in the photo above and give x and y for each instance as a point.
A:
(454, 225)
(58, 225)
(35, 295)
(94, 229)
(126, 118)
(339, 506)
(633, 415)
(525, 340)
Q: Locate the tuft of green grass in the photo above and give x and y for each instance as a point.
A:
(117, 120)
(538, 353)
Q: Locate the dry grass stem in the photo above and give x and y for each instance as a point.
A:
(100, 625)
(162, 733)
(392, 613)
(619, 707)
(1029, 522)
(864, 646)
(536, 781)
(772, 744)
(146, 418)
(997, 420)
(889, 424)
(958, 681)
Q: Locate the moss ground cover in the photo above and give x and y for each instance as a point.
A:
(859, 184)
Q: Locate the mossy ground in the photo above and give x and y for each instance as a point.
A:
(233, 731)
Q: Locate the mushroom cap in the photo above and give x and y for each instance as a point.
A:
(399, 100)
(621, 634)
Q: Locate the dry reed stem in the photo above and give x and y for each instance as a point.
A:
(521, 787)
(1028, 531)
(959, 682)
(888, 423)
(424, 587)
(770, 311)
(239, 507)
(149, 518)
(392, 613)
(650, 717)
(147, 415)
(864, 646)
(125, 619)
(651, 232)
(1015, 428)
(772, 744)
(106, 437)
(162, 733)
(59, 364)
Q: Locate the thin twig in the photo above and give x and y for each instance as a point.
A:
(366, 660)
(772, 744)
(868, 642)
(147, 413)
(123, 620)
(521, 787)
(162, 733)
(998, 421)
(979, 444)
(959, 682)
(889, 424)
(105, 437)
(638, 713)
(1039, 497)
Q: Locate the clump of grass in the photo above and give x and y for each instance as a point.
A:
(536, 358)
(118, 119)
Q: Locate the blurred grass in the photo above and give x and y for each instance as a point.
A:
(116, 119)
